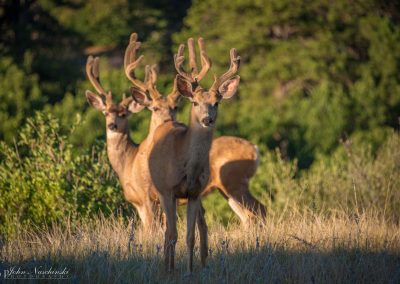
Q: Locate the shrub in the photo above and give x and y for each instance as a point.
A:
(43, 178)
(355, 178)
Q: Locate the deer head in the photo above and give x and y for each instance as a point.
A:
(116, 114)
(205, 102)
(164, 108)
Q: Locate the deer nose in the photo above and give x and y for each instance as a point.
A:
(207, 121)
(112, 126)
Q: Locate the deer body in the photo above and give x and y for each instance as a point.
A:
(179, 159)
(188, 172)
(124, 156)
(179, 168)
(129, 160)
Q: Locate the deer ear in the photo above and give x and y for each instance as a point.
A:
(140, 97)
(184, 86)
(95, 101)
(228, 89)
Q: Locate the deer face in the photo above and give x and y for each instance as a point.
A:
(204, 107)
(116, 114)
(116, 118)
(163, 108)
(205, 102)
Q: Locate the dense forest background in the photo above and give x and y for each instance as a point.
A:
(320, 96)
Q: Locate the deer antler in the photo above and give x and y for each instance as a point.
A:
(194, 76)
(130, 63)
(205, 61)
(92, 71)
(235, 63)
(174, 95)
(126, 100)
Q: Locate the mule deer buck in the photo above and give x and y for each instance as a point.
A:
(179, 159)
(233, 160)
(128, 159)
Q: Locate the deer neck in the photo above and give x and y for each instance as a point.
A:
(198, 139)
(154, 123)
(120, 148)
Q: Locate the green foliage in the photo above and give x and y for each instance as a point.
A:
(19, 94)
(43, 178)
(98, 20)
(312, 72)
(353, 179)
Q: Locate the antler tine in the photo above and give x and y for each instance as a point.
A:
(153, 74)
(192, 58)
(146, 74)
(175, 93)
(150, 81)
(92, 71)
(178, 61)
(194, 76)
(205, 60)
(130, 62)
(235, 63)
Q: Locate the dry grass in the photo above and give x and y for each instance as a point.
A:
(294, 249)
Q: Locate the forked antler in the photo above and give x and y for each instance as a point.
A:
(194, 76)
(235, 63)
(92, 71)
(130, 63)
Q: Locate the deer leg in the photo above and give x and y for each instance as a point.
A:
(252, 204)
(192, 212)
(171, 233)
(202, 226)
(243, 203)
(146, 215)
(249, 206)
(160, 215)
(242, 213)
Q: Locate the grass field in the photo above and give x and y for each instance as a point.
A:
(298, 248)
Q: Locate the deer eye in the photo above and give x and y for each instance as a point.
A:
(122, 115)
(156, 109)
(195, 104)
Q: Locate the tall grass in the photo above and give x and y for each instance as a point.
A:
(354, 179)
(298, 248)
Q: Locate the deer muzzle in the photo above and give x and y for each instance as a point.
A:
(112, 126)
(207, 121)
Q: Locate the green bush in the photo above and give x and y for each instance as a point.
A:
(43, 178)
(19, 95)
(354, 179)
